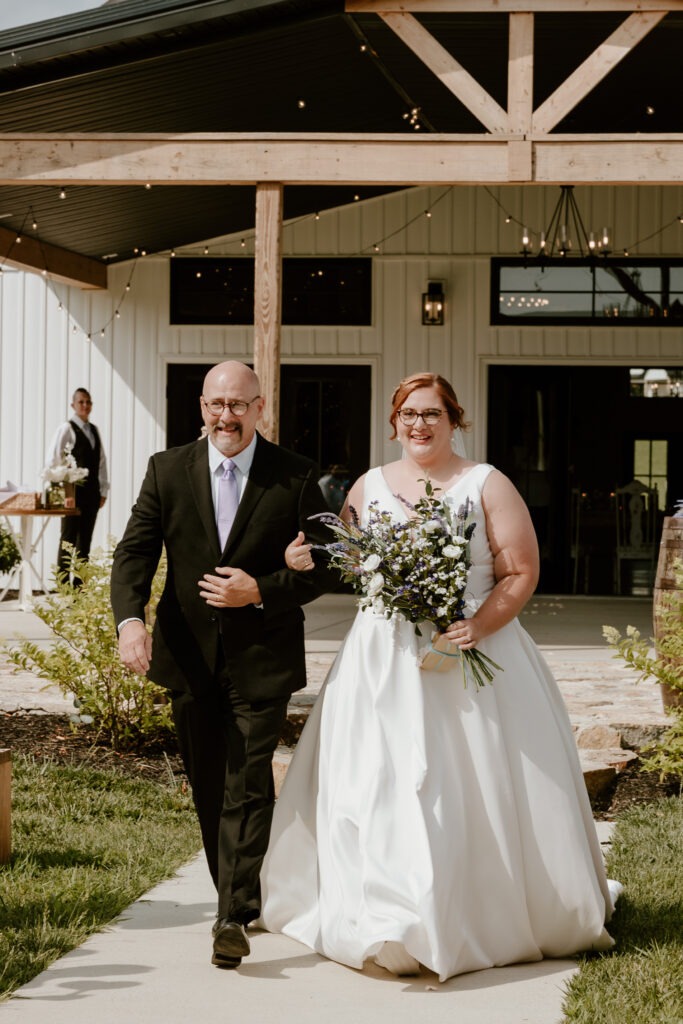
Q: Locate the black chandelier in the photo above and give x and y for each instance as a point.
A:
(566, 232)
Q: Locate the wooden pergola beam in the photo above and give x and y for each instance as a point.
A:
(450, 73)
(321, 159)
(507, 6)
(520, 72)
(599, 64)
(55, 263)
(268, 301)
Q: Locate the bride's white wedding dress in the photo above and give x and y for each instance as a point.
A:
(453, 821)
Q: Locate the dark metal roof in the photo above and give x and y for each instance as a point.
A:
(245, 65)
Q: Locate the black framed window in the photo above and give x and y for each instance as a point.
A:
(315, 291)
(611, 292)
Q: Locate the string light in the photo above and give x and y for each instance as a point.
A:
(412, 113)
(62, 193)
(116, 315)
(419, 216)
(603, 242)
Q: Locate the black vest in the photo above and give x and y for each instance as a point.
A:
(87, 456)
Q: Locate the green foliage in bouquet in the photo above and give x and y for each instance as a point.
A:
(666, 755)
(417, 569)
(82, 658)
(9, 552)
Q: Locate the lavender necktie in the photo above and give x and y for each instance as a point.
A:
(228, 500)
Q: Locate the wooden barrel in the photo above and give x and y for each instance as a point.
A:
(667, 595)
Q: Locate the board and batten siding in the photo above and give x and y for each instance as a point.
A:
(43, 359)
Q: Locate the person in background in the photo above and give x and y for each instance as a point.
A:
(335, 486)
(82, 438)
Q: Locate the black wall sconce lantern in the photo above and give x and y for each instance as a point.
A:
(433, 304)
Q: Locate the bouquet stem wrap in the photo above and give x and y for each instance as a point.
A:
(440, 656)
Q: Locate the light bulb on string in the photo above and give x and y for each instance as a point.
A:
(62, 193)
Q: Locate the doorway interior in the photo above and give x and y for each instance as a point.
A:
(558, 430)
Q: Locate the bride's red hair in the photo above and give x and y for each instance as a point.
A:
(456, 413)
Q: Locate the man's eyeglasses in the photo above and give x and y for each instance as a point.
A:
(429, 416)
(217, 406)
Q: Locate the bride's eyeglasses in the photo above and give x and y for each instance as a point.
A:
(428, 416)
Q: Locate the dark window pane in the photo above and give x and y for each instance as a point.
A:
(315, 292)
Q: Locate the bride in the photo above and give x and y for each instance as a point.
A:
(423, 822)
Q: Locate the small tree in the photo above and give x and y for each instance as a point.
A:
(666, 666)
(82, 659)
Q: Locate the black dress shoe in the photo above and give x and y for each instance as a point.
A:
(230, 943)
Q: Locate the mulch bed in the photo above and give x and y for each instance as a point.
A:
(51, 737)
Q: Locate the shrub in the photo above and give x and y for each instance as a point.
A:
(82, 658)
(666, 666)
(9, 552)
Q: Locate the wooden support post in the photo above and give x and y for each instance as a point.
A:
(268, 301)
(5, 805)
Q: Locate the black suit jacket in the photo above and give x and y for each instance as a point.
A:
(264, 647)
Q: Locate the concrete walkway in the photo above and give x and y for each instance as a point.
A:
(152, 964)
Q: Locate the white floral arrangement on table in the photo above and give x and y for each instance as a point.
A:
(417, 570)
(67, 471)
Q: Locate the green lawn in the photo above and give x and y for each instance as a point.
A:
(641, 981)
(85, 844)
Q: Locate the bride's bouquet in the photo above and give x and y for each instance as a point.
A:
(416, 569)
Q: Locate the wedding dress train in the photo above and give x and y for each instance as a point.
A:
(451, 820)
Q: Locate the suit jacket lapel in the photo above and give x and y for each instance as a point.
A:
(200, 486)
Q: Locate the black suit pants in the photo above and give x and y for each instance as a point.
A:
(78, 530)
(227, 746)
